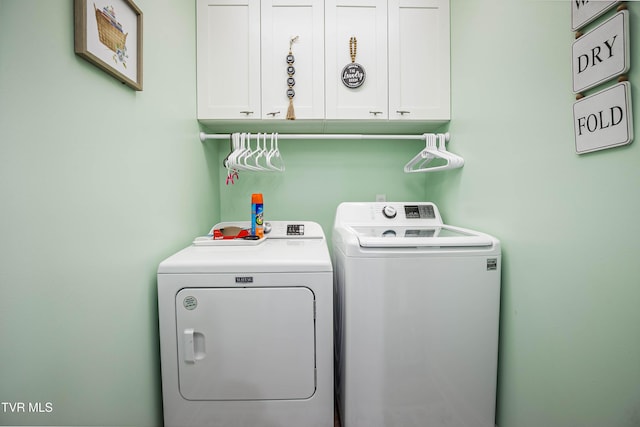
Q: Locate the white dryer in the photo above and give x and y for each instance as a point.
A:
(246, 331)
(417, 308)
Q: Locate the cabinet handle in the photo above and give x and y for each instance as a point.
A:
(403, 112)
(375, 113)
(273, 113)
(246, 113)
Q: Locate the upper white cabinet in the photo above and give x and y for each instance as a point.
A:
(403, 46)
(407, 68)
(419, 60)
(242, 50)
(281, 21)
(366, 20)
(228, 65)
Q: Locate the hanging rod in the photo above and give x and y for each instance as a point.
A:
(206, 136)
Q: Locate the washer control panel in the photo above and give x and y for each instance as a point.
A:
(385, 213)
(402, 211)
(419, 211)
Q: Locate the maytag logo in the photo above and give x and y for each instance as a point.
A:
(244, 279)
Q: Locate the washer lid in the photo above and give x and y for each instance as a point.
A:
(415, 236)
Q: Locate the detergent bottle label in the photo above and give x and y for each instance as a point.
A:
(257, 220)
(257, 215)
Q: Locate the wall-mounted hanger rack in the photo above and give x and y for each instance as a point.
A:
(207, 136)
(243, 157)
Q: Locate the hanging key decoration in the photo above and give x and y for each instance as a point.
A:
(291, 82)
(353, 74)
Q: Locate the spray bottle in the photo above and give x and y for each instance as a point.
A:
(257, 215)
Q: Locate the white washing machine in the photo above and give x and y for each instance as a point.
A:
(417, 307)
(246, 331)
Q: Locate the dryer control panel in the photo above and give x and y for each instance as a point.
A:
(293, 230)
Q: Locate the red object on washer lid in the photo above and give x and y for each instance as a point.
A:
(220, 234)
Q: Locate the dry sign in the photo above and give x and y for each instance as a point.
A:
(602, 53)
(603, 120)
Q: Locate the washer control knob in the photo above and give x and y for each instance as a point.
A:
(389, 212)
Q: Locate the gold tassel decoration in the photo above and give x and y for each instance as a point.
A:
(291, 82)
(291, 114)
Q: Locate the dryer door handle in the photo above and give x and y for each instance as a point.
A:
(189, 346)
(193, 345)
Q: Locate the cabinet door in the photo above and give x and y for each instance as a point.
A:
(228, 52)
(282, 20)
(419, 81)
(367, 21)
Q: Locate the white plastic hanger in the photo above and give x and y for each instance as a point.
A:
(261, 152)
(274, 159)
(232, 172)
(432, 151)
(455, 161)
(417, 163)
(245, 139)
(248, 160)
(238, 150)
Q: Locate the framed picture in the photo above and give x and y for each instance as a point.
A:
(108, 33)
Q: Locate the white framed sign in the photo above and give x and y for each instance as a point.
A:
(604, 119)
(601, 54)
(585, 11)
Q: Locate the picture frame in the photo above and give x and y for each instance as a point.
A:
(108, 34)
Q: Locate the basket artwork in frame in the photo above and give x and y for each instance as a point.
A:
(108, 33)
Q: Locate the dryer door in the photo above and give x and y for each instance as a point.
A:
(246, 343)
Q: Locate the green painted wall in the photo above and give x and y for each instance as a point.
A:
(570, 347)
(98, 183)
